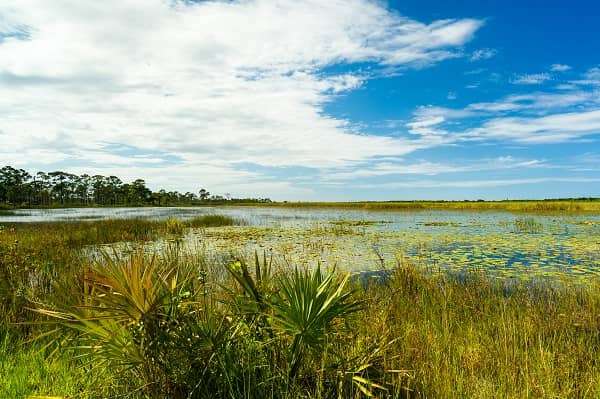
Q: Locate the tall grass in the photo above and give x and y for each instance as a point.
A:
(182, 324)
(533, 206)
(527, 225)
(34, 257)
(214, 221)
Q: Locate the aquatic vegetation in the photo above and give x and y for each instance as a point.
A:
(527, 225)
(358, 223)
(213, 221)
(588, 222)
(335, 229)
(443, 311)
(499, 251)
(533, 206)
(175, 226)
(442, 224)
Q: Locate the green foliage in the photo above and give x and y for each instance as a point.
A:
(304, 307)
(153, 322)
(137, 317)
(18, 188)
(188, 324)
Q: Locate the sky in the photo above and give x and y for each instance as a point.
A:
(308, 99)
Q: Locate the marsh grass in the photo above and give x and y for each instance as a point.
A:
(214, 221)
(35, 257)
(549, 206)
(193, 324)
(527, 225)
(473, 336)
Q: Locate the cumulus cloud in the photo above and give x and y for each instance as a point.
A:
(207, 83)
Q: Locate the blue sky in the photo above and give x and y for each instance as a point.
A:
(336, 100)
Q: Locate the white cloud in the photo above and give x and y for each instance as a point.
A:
(427, 168)
(593, 73)
(547, 129)
(425, 125)
(590, 78)
(559, 67)
(480, 183)
(475, 71)
(212, 83)
(483, 54)
(539, 101)
(531, 79)
(538, 117)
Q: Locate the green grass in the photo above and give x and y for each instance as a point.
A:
(189, 323)
(213, 221)
(28, 371)
(36, 256)
(533, 206)
(527, 225)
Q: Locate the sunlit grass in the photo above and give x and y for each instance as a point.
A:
(185, 322)
(563, 206)
(213, 221)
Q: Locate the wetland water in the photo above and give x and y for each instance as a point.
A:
(366, 240)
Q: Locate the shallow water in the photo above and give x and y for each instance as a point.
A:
(367, 240)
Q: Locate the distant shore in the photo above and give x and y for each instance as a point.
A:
(554, 205)
(577, 205)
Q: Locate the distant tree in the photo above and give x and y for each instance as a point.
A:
(18, 188)
(203, 194)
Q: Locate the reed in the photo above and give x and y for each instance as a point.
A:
(533, 206)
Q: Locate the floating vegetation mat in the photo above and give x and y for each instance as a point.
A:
(555, 249)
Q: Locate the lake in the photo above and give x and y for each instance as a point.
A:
(357, 240)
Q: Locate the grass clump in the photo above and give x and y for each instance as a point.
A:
(175, 226)
(213, 221)
(527, 225)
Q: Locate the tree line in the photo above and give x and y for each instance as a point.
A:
(19, 188)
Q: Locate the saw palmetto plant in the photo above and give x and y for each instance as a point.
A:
(154, 319)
